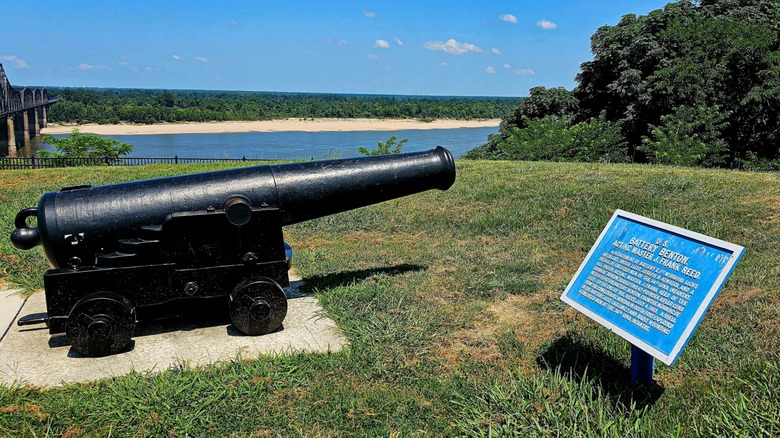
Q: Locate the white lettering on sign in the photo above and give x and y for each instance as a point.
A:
(640, 292)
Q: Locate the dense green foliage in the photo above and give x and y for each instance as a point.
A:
(696, 83)
(80, 105)
(389, 146)
(80, 145)
(450, 302)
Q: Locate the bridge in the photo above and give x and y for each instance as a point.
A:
(24, 113)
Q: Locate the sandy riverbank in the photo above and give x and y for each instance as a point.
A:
(310, 125)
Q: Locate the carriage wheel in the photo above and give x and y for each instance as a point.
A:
(100, 324)
(257, 306)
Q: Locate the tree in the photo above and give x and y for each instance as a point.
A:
(80, 145)
(553, 139)
(383, 147)
(687, 137)
(557, 103)
(703, 54)
(543, 102)
(695, 83)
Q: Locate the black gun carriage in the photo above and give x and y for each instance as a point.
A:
(120, 253)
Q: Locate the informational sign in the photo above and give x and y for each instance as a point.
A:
(650, 282)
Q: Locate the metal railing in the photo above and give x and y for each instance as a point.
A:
(15, 163)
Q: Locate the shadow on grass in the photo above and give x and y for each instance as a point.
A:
(322, 282)
(580, 361)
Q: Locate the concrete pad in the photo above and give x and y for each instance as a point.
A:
(29, 355)
(11, 303)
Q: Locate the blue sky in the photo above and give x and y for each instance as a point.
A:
(463, 48)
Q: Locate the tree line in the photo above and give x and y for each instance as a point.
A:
(110, 106)
(696, 83)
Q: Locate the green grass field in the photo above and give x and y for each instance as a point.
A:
(450, 303)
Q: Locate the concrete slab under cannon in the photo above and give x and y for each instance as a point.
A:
(29, 355)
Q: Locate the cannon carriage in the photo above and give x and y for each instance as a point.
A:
(120, 253)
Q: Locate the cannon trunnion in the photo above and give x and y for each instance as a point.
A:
(136, 251)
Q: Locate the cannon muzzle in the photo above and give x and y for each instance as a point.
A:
(81, 221)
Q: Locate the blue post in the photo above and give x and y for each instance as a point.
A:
(641, 366)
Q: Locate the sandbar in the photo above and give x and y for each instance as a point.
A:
(282, 125)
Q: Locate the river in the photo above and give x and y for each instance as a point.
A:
(295, 144)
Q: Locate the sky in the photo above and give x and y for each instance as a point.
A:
(444, 48)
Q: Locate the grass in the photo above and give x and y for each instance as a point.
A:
(450, 303)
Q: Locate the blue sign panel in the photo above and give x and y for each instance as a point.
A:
(651, 282)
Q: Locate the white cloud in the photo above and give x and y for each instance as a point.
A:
(381, 44)
(341, 42)
(369, 14)
(177, 58)
(372, 56)
(85, 66)
(201, 59)
(507, 66)
(546, 24)
(398, 41)
(123, 61)
(452, 47)
(444, 64)
(509, 18)
(525, 72)
(233, 22)
(18, 63)
(495, 51)
(490, 69)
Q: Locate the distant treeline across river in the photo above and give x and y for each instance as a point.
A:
(110, 105)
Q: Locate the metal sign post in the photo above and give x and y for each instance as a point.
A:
(642, 366)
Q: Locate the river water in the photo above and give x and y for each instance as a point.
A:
(296, 145)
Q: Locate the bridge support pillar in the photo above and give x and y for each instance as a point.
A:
(35, 127)
(26, 127)
(19, 129)
(44, 121)
(9, 124)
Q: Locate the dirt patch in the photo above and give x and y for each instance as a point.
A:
(476, 344)
(566, 264)
(731, 298)
(760, 301)
(27, 408)
(366, 237)
(313, 242)
(773, 218)
(519, 322)
(523, 321)
(530, 322)
(33, 178)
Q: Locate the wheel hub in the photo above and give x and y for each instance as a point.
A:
(260, 309)
(100, 328)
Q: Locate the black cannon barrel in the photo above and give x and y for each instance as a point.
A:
(93, 218)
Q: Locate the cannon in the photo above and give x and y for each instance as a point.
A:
(120, 253)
